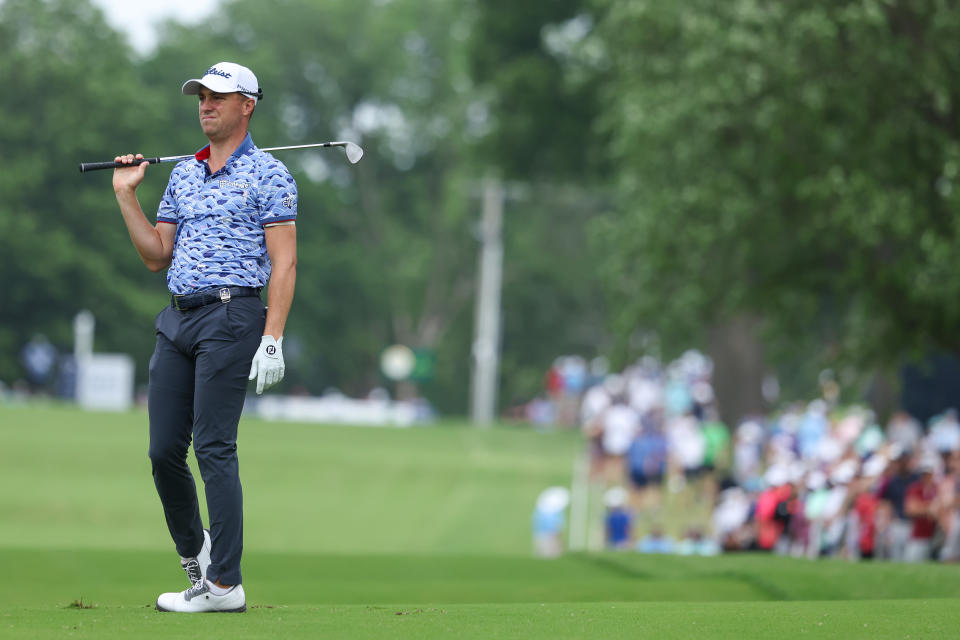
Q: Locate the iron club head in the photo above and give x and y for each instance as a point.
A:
(354, 152)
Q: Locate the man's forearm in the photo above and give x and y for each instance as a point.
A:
(145, 237)
(283, 279)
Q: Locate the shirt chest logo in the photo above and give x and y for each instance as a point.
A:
(233, 184)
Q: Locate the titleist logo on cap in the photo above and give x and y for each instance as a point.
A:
(224, 77)
(213, 71)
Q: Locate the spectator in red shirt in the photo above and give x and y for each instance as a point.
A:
(773, 509)
(948, 494)
(920, 505)
(866, 504)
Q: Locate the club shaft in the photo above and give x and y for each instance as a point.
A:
(309, 146)
(96, 166)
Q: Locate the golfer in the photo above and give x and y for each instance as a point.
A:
(225, 228)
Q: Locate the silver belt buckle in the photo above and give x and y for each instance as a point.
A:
(225, 295)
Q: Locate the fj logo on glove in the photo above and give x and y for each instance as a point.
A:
(271, 350)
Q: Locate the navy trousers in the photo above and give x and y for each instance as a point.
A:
(198, 383)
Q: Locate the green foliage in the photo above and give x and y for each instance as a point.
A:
(793, 160)
(540, 115)
(62, 247)
(385, 248)
(539, 133)
(552, 300)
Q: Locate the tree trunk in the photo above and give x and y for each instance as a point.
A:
(738, 369)
(884, 394)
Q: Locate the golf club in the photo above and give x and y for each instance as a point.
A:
(354, 153)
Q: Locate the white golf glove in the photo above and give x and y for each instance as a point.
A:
(267, 366)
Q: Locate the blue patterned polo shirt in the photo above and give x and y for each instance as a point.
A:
(220, 218)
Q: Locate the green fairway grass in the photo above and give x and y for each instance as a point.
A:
(373, 533)
(881, 619)
(76, 480)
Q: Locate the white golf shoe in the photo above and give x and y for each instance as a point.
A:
(199, 599)
(196, 568)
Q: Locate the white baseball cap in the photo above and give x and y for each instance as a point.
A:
(553, 500)
(615, 497)
(225, 77)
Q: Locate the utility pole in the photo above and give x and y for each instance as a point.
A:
(486, 332)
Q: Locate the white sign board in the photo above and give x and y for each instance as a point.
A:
(105, 382)
(335, 409)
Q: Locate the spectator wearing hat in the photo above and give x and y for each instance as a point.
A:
(618, 521)
(646, 464)
(716, 456)
(893, 490)
(620, 425)
(774, 508)
(866, 503)
(549, 521)
(814, 504)
(834, 511)
(904, 431)
(944, 435)
(656, 542)
(695, 543)
(948, 496)
(730, 519)
(920, 506)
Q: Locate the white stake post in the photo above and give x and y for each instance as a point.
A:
(486, 343)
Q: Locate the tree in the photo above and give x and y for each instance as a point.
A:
(72, 94)
(386, 246)
(540, 136)
(790, 161)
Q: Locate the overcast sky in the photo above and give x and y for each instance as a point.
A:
(137, 17)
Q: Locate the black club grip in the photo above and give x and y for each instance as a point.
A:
(96, 166)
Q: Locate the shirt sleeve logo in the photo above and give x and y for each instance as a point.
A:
(289, 202)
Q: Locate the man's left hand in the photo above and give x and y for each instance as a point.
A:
(267, 366)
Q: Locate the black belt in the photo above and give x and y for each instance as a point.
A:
(186, 301)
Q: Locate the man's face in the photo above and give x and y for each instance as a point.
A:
(222, 114)
(953, 462)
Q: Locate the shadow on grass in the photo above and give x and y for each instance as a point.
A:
(766, 589)
(610, 565)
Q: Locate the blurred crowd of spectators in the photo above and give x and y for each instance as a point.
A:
(816, 482)
(812, 480)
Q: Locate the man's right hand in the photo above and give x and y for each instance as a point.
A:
(153, 243)
(128, 179)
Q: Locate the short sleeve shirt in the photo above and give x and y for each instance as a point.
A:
(923, 526)
(221, 217)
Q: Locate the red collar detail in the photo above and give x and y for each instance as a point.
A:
(203, 154)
